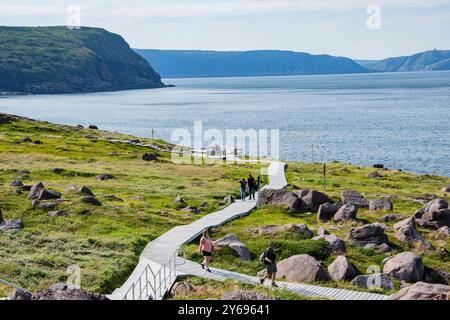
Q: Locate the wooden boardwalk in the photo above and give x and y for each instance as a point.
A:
(163, 251)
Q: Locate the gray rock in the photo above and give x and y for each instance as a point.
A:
(322, 231)
(327, 211)
(11, 225)
(427, 224)
(34, 191)
(368, 234)
(93, 127)
(433, 205)
(334, 244)
(301, 268)
(179, 200)
(405, 266)
(36, 204)
(313, 199)
(443, 233)
(71, 188)
(232, 241)
(229, 199)
(55, 214)
(406, 232)
(67, 294)
(381, 248)
(191, 209)
(446, 189)
(17, 184)
(436, 276)
(91, 200)
(346, 213)
(181, 289)
(45, 194)
(372, 281)
(355, 198)
(423, 291)
(150, 156)
(302, 229)
(246, 295)
(374, 175)
(440, 218)
(282, 198)
(105, 176)
(86, 191)
(391, 217)
(381, 204)
(341, 269)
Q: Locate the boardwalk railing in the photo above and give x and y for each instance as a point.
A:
(152, 284)
(22, 292)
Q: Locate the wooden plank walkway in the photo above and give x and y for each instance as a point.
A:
(186, 267)
(161, 250)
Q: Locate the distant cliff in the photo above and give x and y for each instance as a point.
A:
(48, 60)
(433, 60)
(185, 64)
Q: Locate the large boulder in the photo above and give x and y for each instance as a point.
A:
(406, 232)
(246, 295)
(35, 190)
(181, 288)
(301, 268)
(334, 244)
(423, 291)
(282, 198)
(346, 213)
(381, 204)
(45, 194)
(368, 234)
(11, 225)
(405, 266)
(232, 241)
(301, 229)
(327, 211)
(341, 269)
(432, 206)
(313, 199)
(372, 281)
(355, 198)
(440, 218)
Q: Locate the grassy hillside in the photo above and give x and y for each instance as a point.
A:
(59, 60)
(103, 241)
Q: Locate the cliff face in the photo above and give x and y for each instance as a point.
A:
(186, 63)
(433, 60)
(48, 60)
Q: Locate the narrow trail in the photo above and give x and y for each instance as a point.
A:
(159, 264)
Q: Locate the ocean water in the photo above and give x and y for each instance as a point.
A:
(399, 119)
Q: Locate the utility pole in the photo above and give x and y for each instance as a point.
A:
(325, 176)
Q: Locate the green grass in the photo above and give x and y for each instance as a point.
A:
(401, 187)
(105, 243)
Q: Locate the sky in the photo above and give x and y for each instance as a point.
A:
(336, 27)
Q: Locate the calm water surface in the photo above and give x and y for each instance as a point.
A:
(399, 119)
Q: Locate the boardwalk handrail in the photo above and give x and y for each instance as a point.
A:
(19, 290)
(156, 286)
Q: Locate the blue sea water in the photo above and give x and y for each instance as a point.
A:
(399, 119)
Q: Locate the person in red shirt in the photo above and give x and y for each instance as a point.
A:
(206, 248)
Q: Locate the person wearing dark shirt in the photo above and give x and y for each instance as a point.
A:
(251, 187)
(269, 259)
(243, 184)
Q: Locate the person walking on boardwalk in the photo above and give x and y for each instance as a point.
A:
(206, 248)
(243, 184)
(269, 259)
(251, 187)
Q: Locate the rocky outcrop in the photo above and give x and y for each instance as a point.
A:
(433, 205)
(405, 266)
(346, 213)
(381, 204)
(246, 295)
(341, 269)
(301, 229)
(406, 232)
(334, 244)
(368, 234)
(282, 198)
(301, 268)
(327, 211)
(372, 281)
(181, 288)
(232, 241)
(423, 291)
(63, 292)
(355, 198)
(313, 199)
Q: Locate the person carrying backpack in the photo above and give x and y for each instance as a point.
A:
(251, 187)
(269, 259)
